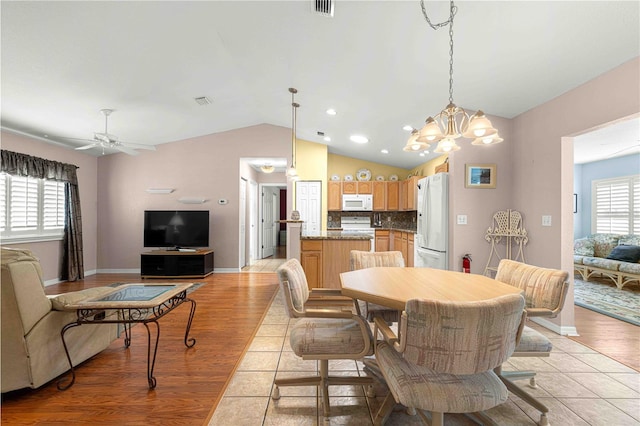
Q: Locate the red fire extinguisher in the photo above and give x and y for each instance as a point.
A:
(466, 263)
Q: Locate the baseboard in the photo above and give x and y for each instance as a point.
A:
(561, 330)
(58, 281)
(226, 270)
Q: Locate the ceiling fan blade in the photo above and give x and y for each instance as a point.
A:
(125, 149)
(91, 145)
(138, 146)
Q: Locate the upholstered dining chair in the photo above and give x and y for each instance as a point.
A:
(321, 334)
(545, 291)
(444, 359)
(366, 259)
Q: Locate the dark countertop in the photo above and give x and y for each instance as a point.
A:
(382, 228)
(336, 235)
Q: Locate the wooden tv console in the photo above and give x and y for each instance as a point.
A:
(176, 264)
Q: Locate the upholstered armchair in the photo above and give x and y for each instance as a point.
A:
(366, 259)
(321, 334)
(444, 358)
(545, 291)
(32, 350)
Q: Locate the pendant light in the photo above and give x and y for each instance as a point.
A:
(452, 122)
(291, 171)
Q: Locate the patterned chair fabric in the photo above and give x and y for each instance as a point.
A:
(321, 334)
(544, 289)
(447, 351)
(366, 259)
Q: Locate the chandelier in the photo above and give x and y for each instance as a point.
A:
(267, 168)
(452, 122)
(291, 171)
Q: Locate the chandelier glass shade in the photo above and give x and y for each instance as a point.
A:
(452, 122)
(267, 168)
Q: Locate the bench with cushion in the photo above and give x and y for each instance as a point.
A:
(610, 255)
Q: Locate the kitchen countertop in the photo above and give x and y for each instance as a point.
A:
(336, 235)
(382, 228)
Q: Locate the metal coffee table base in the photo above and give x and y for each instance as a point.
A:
(128, 317)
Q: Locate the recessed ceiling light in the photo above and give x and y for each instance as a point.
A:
(421, 154)
(331, 111)
(407, 128)
(327, 139)
(384, 151)
(358, 139)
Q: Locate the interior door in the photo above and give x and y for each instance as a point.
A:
(243, 221)
(309, 204)
(253, 221)
(268, 222)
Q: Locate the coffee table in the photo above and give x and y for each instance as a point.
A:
(130, 304)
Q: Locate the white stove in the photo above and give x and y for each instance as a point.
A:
(358, 225)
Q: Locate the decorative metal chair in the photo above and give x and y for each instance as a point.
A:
(545, 291)
(321, 334)
(444, 359)
(367, 259)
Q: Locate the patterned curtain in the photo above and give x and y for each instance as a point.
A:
(18, 164)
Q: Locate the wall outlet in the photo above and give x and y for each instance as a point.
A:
(462, 219)
(546, 220)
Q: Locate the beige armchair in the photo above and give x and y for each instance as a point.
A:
(366, 259)
(545, 291)
(32, 350)
(444, 357)
(321, 334)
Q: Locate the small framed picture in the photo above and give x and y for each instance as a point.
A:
(480, 176)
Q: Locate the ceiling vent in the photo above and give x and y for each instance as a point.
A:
(324, 7)
(203, 100)
(320, 133)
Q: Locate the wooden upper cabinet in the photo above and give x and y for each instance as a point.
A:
(411, 193)
(365, 187)
(334, 195)
(379, 196)
(349, 187)
(393, 195)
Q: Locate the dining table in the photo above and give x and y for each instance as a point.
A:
(394, 286)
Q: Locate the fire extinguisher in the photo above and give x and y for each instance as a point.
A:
(466, 263)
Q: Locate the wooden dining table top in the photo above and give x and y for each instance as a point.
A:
(394, 286)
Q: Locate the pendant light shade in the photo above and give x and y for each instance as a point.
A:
(479, 127)
(414, 144)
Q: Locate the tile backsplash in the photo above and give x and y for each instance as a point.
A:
(397, 220)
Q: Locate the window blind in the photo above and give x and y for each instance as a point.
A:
(617, 205)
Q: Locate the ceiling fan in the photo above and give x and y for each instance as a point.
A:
(106, 140)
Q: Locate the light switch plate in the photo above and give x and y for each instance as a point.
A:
(462, 219)
(546, 220)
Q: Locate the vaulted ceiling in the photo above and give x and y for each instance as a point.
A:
(377, 63)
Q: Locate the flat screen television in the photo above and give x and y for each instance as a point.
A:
(176, 228)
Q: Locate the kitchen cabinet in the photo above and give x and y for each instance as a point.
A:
(334, 196)
(349, 187)
(311, 261)
(410, 248)
(379, 196)
(409, 193)
(382, 240)
(365, 187)
(393, 195)
(324, 259)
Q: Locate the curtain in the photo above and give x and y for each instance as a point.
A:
(18, 164)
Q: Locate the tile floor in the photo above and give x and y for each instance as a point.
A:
(580, 387)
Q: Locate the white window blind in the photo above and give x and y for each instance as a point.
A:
(31, 208)
(616, 205)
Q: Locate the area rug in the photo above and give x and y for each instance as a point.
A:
(607, 299)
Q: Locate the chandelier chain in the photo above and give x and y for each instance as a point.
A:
(452, 11)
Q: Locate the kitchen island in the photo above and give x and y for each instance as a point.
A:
(326, 254)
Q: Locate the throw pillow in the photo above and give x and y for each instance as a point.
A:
(584, 247)
(625, 254)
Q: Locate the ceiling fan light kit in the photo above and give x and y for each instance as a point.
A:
(452, 122)
(291, 171)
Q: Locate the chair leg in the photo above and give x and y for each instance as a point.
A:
(519, 392)
(437, 419)
(324, 375)
(385, 410)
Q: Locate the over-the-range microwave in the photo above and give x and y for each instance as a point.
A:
(357, 202)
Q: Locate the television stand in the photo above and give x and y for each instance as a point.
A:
(176, 264)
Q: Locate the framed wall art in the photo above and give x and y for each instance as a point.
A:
(480, 176)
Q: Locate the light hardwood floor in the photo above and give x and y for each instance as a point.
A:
(111, 388)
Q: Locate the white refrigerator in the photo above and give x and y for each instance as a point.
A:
(432, 238)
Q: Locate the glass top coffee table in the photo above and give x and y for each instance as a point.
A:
(130, 304)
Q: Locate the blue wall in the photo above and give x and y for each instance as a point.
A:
(584, 174)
